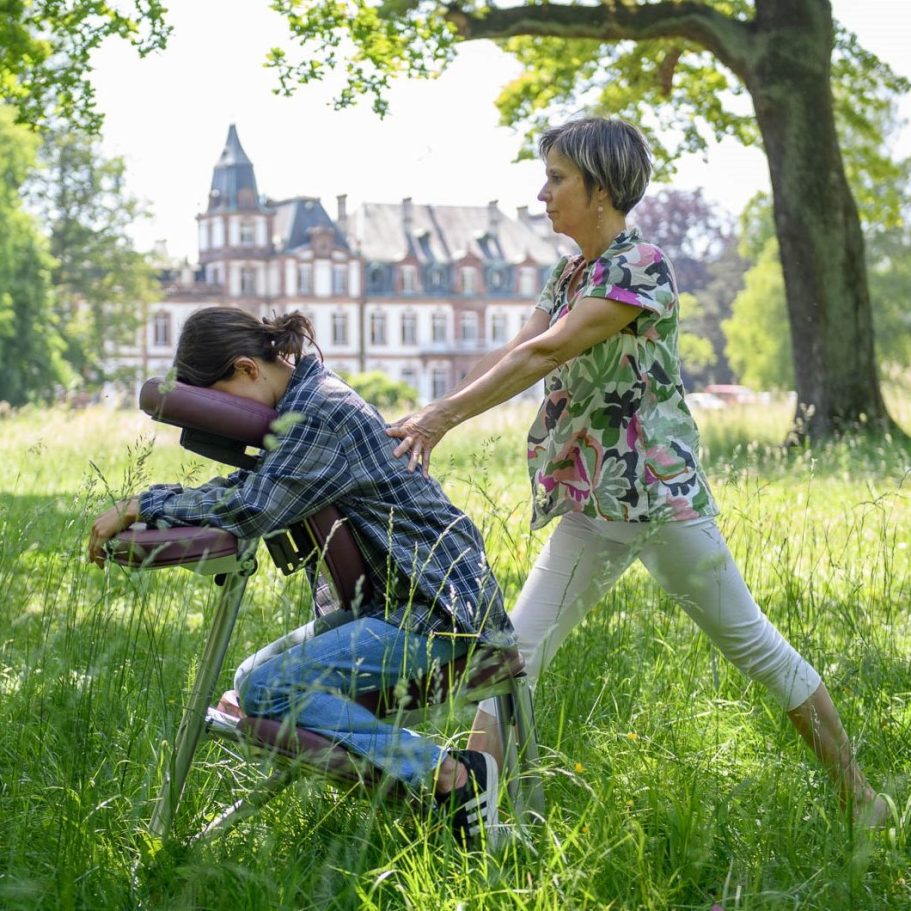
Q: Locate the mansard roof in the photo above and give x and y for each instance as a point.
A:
(233, 181)
(390, 232)
(296, 218)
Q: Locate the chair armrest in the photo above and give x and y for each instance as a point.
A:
(204, 550)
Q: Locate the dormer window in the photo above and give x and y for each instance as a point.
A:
(528, 282)
(409, 280)
(247, 233)
(469, 277)
(437, 278)
(322, 239)
(497, 279)
(376, 279)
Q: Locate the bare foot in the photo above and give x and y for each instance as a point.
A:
(872, 812)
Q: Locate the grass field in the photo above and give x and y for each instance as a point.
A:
(671, 783)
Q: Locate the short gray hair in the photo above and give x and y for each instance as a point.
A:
(610, 153)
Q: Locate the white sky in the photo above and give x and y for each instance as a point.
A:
(168, 116)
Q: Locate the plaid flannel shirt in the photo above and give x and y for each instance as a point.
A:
(425, 558)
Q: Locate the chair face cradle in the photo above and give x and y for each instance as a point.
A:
(222, 426)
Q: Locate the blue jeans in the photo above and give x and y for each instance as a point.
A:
(315, 681)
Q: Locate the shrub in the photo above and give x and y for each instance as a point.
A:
(381, 390)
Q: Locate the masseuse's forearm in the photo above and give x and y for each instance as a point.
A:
(514, 373)
(534, 326)
(481, 366)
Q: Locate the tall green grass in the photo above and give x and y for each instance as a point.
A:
(671, 782)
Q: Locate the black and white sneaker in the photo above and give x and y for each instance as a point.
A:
(474, 805)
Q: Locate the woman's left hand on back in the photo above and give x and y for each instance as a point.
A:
(419, 433)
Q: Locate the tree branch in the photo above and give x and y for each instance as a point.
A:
(730, 40)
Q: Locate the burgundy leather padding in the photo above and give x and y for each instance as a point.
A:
(155, 548)
(341, 556)
(210, 410)
(311, 750)
(482, 667)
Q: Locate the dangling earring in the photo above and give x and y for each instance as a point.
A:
(600, 213)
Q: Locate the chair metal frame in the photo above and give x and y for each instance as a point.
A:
(221, 426)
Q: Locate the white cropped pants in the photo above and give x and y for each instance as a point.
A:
(690, 560)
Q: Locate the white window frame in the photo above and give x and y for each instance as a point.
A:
(439, 382)
(498, 328)
(409, 328)
(305, 279)
(468, 330)
(339, 328)
(378, 324)
(340, 279)
(247, 281)
(161, 329)
(439, 328)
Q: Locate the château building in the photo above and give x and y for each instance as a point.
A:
(416, 291)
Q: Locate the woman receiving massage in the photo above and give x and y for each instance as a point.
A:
(434, 595)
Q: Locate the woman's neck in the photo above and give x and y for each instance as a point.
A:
(279, 376)
(602, 235)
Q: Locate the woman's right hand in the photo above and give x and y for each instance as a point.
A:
(419, 433)
(120, 516)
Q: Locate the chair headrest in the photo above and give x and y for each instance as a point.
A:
(208, 410)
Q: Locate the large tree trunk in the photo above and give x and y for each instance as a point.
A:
(820, 239)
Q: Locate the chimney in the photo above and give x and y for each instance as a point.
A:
(493, 218)
(522, 212)
(407, 216)
(342, 217)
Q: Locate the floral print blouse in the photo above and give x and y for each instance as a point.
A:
(614, 438)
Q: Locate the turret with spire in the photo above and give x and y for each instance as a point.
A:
(236, 219)
(233, 181)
